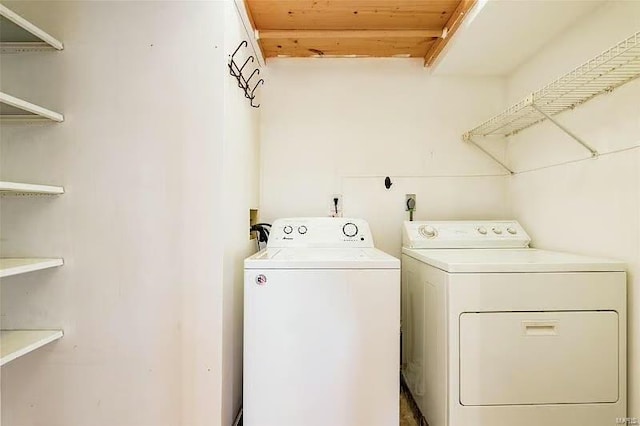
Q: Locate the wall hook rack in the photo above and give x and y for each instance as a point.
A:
(237, 72)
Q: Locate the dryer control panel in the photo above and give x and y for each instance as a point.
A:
(464, 234)
(320, 232)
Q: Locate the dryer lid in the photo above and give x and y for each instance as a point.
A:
(511, 260)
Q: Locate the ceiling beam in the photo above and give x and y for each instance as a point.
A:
(455, 21)
(343, 34)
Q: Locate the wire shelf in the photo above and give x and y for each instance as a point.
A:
(612, 68)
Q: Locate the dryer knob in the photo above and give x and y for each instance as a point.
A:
(512, 231)
(482, 230)
(287, 229)
(497, 231)
(428, 231)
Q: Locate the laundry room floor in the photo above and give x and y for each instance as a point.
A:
(407, 415)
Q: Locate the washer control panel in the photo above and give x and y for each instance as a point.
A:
(327, 232)
(465, 234)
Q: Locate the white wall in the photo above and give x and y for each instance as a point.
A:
(591, 206)
(240, 193)
(341, 125)
(140, 155)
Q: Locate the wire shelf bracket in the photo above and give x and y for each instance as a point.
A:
(612, 68)
(468, 138)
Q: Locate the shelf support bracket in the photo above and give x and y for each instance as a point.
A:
(593, 152)
(467, 138)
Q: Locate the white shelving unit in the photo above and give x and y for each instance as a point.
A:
(17, 34)
(16, 266)
(29, 188)
(16, 343)
(612, 68)
(15, 109)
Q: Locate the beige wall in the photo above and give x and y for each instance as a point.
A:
(240, 193)
(341, 125)
(140, 154)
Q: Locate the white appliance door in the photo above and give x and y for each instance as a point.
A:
(528, 358)
(321, 348)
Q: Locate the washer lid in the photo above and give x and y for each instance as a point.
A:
(321, 258)
(511, 260)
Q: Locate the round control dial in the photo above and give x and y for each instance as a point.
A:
(302, 229)
(350, 229)
(512, 231)
(497, 231)
(428, 231)
(482, 230)
(287, 229)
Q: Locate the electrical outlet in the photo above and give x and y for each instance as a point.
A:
(335, 208)
(410, 202)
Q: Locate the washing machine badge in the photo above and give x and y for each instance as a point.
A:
(261, 280)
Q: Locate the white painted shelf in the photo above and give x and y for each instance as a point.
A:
(15, 109)
(16, 343)
(17, 266)
(612, 68)
(605, 72)
(29, 188)
(17, 34)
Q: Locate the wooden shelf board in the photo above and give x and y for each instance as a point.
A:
(28, 188)
(349, 28)
(347, 47)
(13, 108)
(17, 266)
(15, 29)
(16, 343)
(351, 14)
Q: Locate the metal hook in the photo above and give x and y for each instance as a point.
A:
(246, 62)
(257, 70)
(246, 94)
(261, 81)
(243, 42)
(240, 78)
(232, 63)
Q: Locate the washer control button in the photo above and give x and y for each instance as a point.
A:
(512, 231)
(482, 230)
(350, 229)
(302, 229)
(497, 231)
(287, 229)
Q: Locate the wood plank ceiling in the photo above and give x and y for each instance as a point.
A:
(367, 28)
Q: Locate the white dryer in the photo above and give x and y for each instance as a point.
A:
(499, 334)
(321, 327)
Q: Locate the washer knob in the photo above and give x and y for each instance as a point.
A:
(497, 231)
(350, 229)
(287, 229)
(512, 231)
(302, 229)
(482, 230)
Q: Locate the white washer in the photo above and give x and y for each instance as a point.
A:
(498, 334)
(321, 327)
